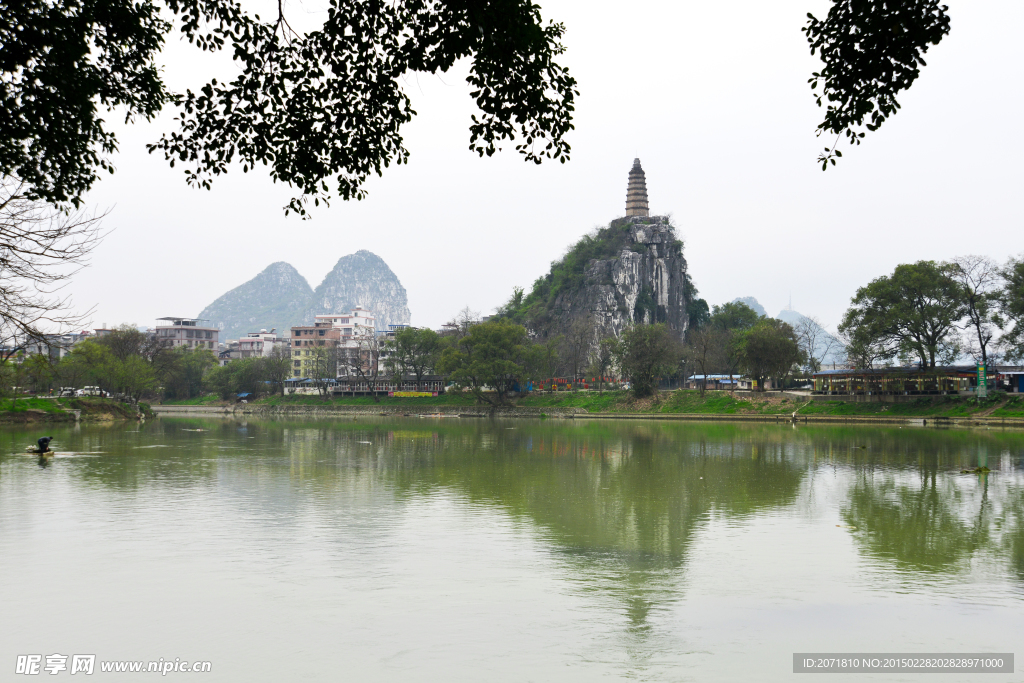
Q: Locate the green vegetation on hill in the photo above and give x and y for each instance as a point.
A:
(568, 274)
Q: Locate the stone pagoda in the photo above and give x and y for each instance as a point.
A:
(636, 192)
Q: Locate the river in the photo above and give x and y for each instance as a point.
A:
(520, 550)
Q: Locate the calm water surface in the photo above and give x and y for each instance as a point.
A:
(471, 550)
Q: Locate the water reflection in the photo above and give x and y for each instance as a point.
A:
(620, 507)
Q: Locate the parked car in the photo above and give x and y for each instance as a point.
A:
(89, 391)
(66, 392)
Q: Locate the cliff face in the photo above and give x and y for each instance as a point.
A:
(361, 279)
(647, 282)
(632, 271)
(272, 299)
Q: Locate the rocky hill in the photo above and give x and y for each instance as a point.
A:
(276, 297)
(280, 297)
(631, 271)
(361, 279)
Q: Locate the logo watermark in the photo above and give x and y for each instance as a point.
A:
(902, 662)
(34, 665)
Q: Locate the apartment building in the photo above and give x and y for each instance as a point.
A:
(186, 332)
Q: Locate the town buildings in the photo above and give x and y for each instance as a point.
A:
(336, 345)
(260, 344)
(186, 332)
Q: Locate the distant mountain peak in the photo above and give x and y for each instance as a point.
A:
(279, 297)
(361, 279)
(273, 299)
(752, 302)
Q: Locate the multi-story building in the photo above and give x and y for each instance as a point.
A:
(56, 346)
(309, 343)
(358, 322)
(260, 343)
(387, 336)
(186, 332)
(348, 334)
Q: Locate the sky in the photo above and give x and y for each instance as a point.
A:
(712, 97)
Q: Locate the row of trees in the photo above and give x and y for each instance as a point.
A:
(934, 313)
(501, 356)
(125, 362)
(735, 340)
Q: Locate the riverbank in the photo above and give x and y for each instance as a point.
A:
(90, 409)
(678, 405)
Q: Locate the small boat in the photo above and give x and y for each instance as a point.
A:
(41, 454)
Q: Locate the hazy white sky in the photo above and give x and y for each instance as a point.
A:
(712, 97)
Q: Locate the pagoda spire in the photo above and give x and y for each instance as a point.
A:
(636, 192)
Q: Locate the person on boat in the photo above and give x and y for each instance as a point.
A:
(44, 443)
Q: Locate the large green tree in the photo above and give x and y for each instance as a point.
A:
(734, 316)
(769, 349)
(731, 320)
(1011, 302)
(413, 351)
(913, 312)
(311, 106)
(646, 353)
(496, 355)
(182, 370)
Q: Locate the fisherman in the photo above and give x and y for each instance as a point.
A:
(44, 444)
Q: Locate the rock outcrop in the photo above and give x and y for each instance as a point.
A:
(361, 279)
(275, 298)
(647, 282)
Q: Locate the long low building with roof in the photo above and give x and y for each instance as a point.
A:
(910, 380)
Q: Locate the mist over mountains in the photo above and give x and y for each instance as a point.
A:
(279, 297)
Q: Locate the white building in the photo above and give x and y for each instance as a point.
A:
(260, 343)
(356, 333)
(186, 332)
(358, 322)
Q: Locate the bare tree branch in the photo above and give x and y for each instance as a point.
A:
(41, 249)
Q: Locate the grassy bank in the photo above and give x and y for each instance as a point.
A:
(724, 403)
(32, 409)
(412, 402)
(21, 405)
(683, 402)
(208, 400)
(677, 402)
(95, 408)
